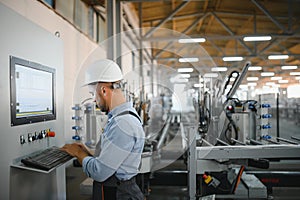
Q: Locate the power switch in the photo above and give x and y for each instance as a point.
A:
(22, 139)
(30, 137)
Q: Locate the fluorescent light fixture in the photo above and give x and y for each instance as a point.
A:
(257, 38)
(185, 75)
(267, 74)
(211, 75)
(294, 73)
(276, 78)
(252, 84)
(219, 69)
(297, 77)
(233, 58)
(191, 40)
(283, 81)
(185, 70)
(182, 80)
(252, 78)
(270, 83)
(277, 57)
(188, 60)
(198, 85)
(243, 86)
(255, 68)
(289, 67)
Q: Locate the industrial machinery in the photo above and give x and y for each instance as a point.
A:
(234, 153)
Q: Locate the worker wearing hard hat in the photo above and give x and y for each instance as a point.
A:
(118, 153)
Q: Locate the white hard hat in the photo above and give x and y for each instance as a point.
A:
(103, 70)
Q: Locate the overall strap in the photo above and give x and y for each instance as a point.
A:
(129, 112)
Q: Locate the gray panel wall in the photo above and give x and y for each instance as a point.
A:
(21, 38)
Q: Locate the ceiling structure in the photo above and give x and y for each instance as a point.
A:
(223, 23)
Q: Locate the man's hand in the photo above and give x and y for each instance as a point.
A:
(77, 150)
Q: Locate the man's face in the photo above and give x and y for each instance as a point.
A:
(100, 99)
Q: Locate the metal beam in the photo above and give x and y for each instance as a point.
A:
(141, 56)
(216, 47)
(268, 14)
(270, 45)
(185, 31)
(153, 29)
(217, 37)
(118, 45)
(231, 14)
(231, 32)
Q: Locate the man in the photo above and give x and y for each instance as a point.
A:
(118, 152)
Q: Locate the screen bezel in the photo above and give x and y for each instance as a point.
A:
(29, 119)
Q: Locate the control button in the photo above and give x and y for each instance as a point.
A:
(51, 134)
(22, 139)
(30, 139)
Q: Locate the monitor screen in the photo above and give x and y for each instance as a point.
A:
(32, 92)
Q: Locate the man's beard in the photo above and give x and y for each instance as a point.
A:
(103, 108)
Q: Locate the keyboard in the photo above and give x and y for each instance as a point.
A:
(47, 159)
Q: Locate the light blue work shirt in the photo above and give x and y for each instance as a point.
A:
(121, 147)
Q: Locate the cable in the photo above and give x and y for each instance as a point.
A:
(237, 180)
(229, 125)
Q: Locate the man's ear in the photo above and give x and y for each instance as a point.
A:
(103, 91)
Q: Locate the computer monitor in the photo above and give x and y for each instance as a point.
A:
(32, 92)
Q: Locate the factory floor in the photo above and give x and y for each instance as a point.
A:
(75, 176)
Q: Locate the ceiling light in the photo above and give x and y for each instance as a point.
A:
(257, 38)
(276, 78)
(270, 83)
(243, 86)
(219, 69)
(276, 57)
(185, 70)
(198, 85)
(267, 74)
(255, 68)
(188, 59)
(234, 58)
(289, 67)
(294, 73)
(252, 84)
(182, 80)
(297, 77)
(191, 40)
(283, 81)
(211, 75)
(185, 75)
(252, 78)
